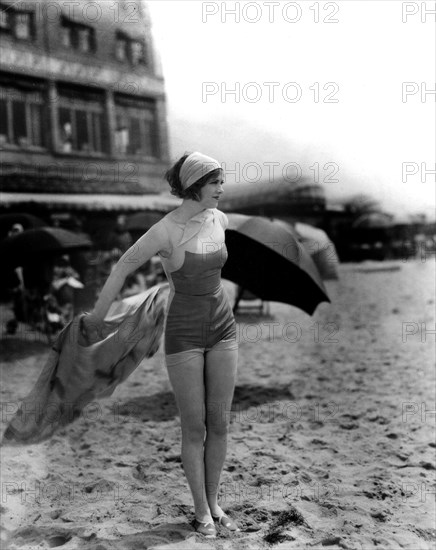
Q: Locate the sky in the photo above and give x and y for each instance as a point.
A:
(337, 93)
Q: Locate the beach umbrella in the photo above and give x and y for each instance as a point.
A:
(272, 195)
(373, 220)
(30, 245)
(266, 258)
(27, 221)
(371, 228)
(321, 249)
(142, 221)
(318, 245)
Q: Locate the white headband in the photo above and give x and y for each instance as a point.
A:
(195, 166)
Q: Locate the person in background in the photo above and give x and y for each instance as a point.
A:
(16, 285)
(120, 238)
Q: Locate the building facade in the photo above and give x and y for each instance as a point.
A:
(82, 106)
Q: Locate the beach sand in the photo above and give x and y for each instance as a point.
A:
(331, 444)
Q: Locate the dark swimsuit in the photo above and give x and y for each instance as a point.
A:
(199, 316)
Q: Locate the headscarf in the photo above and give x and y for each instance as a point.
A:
(195, 166)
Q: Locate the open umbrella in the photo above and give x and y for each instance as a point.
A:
(321, 249)
(371, 234)
(30, 245)
(141, 221)
(266, 258)
(318, 245)
(28, 221)
(373, 220)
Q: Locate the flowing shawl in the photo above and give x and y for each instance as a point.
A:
(75, 373)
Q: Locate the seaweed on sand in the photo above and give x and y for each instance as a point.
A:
(285, 518)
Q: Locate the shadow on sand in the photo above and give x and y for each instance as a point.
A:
(161, 406)
(16, 349)
(57, 536)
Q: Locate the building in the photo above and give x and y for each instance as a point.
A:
(82, 109)
(290, 201)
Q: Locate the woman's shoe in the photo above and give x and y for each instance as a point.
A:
(226, 522)
(206, 529)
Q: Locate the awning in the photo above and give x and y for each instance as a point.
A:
(160, 202)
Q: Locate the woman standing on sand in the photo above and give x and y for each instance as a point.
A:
(201, 349)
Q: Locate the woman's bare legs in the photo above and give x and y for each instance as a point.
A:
(219, 380)
(187, 380)
(203, 387)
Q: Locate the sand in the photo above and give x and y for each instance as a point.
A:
(331, 441)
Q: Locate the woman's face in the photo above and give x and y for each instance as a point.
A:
(211, 192)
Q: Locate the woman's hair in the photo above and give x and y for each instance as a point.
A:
(193, 191)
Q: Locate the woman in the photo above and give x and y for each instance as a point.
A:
(201, 349)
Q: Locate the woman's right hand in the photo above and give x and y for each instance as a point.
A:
(92, 328)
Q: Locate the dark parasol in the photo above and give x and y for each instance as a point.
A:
(34, 244)
(27, 221)
(267, 259)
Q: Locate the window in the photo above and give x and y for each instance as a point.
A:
(4, 20)
(137, 52)
(66, 37)
(128, 49)
(81, 122)
(21, 117)
(4, 122)
(85, 40)
(77, 36)
(136, 130)
(121, 46)
(23, 25)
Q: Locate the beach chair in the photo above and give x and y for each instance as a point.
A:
(247, 302)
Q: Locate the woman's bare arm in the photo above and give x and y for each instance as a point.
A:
(155, 240)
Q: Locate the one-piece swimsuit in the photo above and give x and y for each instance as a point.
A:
(198, 314)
